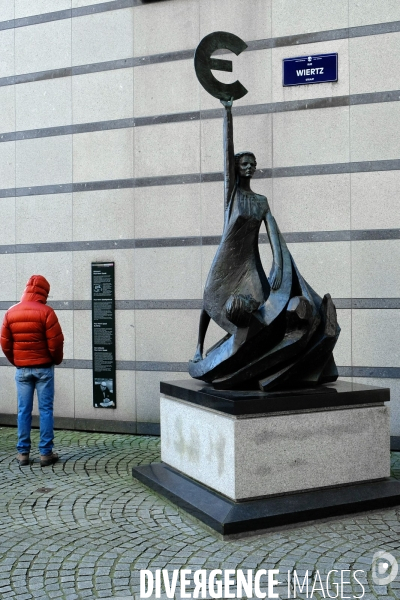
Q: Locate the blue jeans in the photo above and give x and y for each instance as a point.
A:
(28, 379)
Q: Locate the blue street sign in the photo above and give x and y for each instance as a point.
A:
(304, 70)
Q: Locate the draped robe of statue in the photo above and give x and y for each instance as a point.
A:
(280, 333)
(237, 268)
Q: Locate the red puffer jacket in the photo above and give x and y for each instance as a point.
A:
(31, 334)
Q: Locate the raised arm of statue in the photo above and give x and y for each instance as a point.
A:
(229, 154)
(275, 277)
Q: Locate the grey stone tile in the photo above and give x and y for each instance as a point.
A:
(102, 36)
(37, 36)
(370, 12)
(150, 36)
(311, 16)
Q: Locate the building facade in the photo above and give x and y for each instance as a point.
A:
(111, 151)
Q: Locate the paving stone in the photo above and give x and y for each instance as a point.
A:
(90, 536)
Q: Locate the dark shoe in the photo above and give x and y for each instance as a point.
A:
(23, 459)
(48, 459)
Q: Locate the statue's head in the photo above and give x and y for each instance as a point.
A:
(245, 164)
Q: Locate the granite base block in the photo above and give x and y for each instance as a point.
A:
(228, 517)
(247, 456)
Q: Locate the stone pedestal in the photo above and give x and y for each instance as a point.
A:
(277, 458)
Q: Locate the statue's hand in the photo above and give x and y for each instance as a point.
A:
(227, 103)
(275, 278)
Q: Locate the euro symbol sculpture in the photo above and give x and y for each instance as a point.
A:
(203, 63)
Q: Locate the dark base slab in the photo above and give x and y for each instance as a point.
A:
(228, 517)
(395, 443)
(242, 402)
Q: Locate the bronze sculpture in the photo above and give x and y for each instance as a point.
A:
(279, 331)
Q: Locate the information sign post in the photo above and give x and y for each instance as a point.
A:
(103, 335)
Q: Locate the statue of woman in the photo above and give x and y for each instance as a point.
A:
(237, 282)
(279, 331)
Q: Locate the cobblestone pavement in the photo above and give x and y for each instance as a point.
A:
(84, 528)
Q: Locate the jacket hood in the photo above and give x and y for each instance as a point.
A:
(37, 289)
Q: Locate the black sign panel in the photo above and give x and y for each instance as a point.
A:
(303, 70)
(103, 335)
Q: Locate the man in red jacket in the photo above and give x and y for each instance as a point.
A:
(32, 340)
